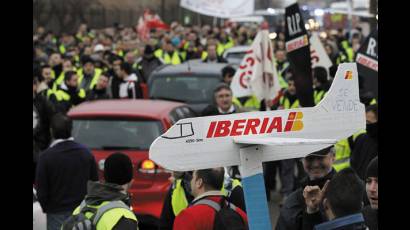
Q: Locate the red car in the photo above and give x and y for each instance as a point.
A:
(130, 126)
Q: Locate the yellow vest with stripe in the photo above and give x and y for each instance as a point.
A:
(284, 101)
(343, 152)
(179, 201)
(61, 95)
(110, 218)
(97, 74)
(252, 103)
(174, 60)
(60, 79)
(220, 49)
(318, 96)
(229, 43)
(204, 55)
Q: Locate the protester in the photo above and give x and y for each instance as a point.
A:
(201, 215)
(370, 212)
(179, 196)
(318, 167)
(62, 173)
(100, 89)
(118, 174)
(223, 102)
(341, 198)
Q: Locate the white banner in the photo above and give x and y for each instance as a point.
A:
(318, 53)
(257, 74)
(220, 8)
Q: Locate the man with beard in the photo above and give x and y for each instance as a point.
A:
(365, 148)
(67, 94)
(318, 166)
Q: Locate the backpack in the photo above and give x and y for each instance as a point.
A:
(226, 216)
(80, 221)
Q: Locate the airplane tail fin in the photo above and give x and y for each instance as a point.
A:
(343, 95)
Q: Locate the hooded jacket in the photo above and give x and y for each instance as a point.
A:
(98, 193)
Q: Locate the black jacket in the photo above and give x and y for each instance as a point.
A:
(99, 192)
(291, 214)
(64, 106)
(43, 111)
(212, 110)
(97, 94)
(62, 174)
(167, 217)
(146, 66)
(364, 150)
(371, 217)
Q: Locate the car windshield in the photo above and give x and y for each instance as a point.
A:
(190, 89)
(111, 134)
(236, 55)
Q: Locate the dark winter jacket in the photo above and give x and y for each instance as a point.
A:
(291, 214)
(62, 174)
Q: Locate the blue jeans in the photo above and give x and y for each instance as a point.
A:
(55, 220)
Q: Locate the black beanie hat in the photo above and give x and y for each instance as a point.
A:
(148, 50)
(372, 168)
(118, 169)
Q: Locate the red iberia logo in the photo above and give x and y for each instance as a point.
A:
(252, 126)
(349, 75)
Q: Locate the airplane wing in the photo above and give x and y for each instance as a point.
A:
(277, 141)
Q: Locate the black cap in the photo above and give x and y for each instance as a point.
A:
(118, 169)
(372, 168)
(86, 59)
(322, 152)
(148, 50)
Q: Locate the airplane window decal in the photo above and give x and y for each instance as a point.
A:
(185, 130)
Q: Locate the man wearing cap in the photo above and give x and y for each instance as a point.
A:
(147, 63)
(318, 167)
(88, 75)
(370, 212)
(118, 174)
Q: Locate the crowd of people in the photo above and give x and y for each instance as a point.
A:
(325, 189)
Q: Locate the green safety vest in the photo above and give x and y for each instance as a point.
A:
(284, 101)
(174, 60)
(179, 201)
(318, 96)
(229, 43)
(61, 95)
(115, 211)
(204, 55)
(97, 74)
(62, 49)
(220, 49)
(373, 102)
(343, 152)
(252, 103)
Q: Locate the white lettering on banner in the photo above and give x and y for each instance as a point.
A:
(370, 48)
(297, 43)
(294, 24)
(368, 62)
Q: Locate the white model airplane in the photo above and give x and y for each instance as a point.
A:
(214, 141)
